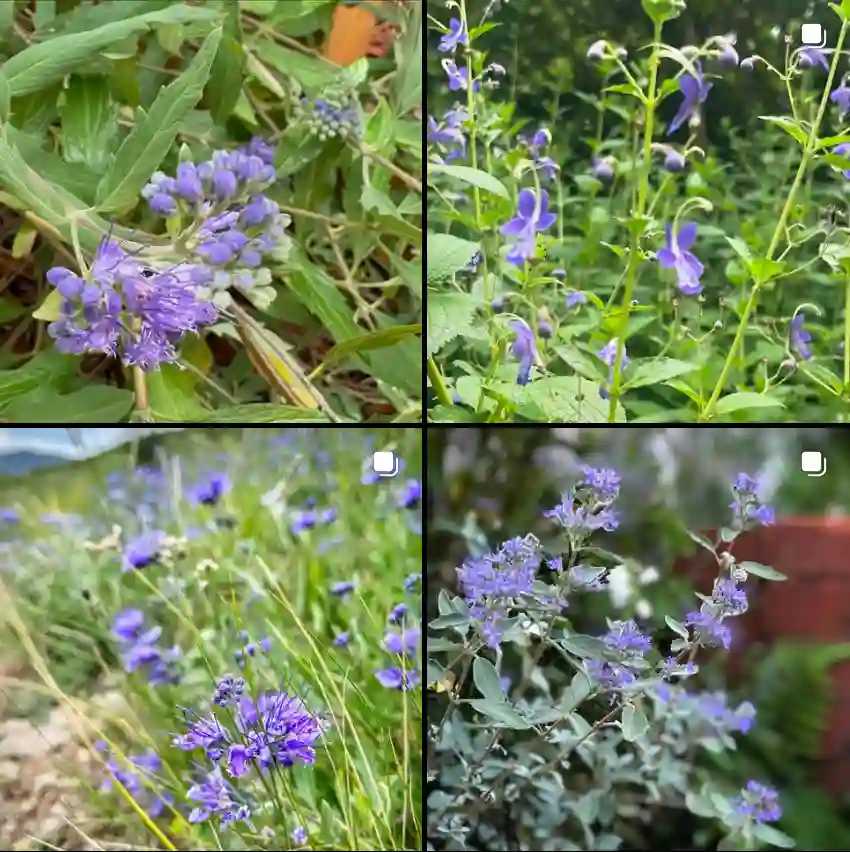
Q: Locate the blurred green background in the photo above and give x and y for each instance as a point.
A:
(486, 485)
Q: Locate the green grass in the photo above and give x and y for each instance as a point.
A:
(250, 573)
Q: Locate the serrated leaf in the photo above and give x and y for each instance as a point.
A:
(474, 177)
(147, 145)
(487, 679)
(657, 371)
(447, 255)
(564, 399)
(450, 315)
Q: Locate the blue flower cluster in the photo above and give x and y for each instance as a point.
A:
(404, 644)
(123, 306)
(144, 550)
(235, 227)
(271, 733)
(759, 803)
(140, 650)
(334, 114)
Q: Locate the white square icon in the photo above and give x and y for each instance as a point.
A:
(813, 463)
(813, 35)
(385, 463)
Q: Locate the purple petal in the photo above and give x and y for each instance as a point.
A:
(526, 204)
(687, 236)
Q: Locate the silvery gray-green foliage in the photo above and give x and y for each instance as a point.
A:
(585, 760)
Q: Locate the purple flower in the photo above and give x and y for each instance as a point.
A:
(187, 184)
(673, 161)
(341, 640)
(228, 691)
(575, 297)
(694, 91)
(398, 678)
(128, 624)
(579, 520)
(406, 642)
(411, 581)
(798, 338)
(610, 675)
(841, 96)
(139, 779)
(411, 495)
(455, 36)
(398, 613)
(209, 490)
(213, 798)
(530, 220)
(299, 835)
(342, 588)
(729, 598)
(524, 347)
(677, 255)
(458, 77)
(603, 484)
(144, 550)
(759, 802)
(843, 150)
(608, 356)
(811, 56)
(709, 629)
(728, 55)
(602, 169)
(626, 637)
(204, 732)
(747, 504)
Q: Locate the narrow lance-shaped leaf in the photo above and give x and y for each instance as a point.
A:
(148, 143)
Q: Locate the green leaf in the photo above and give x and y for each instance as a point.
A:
(47, 62)
(50, 309)
(264, 413)
(450, 315)
(474, 177)
(701, 540)
(563, 399)
(226, 75)
(657, 371)
(763, 571)
(678, 627)
(5, 97)
(501, 713)
(763, 269)
(744, 400)
(172, 397)
(767, 833)
(793, 128)
(46, 198)
(407, 84)
(7, 16)
(446, 256)
(662, 11)
(150, 140)
(373, 340)
(312, 73)
(586, 647)
(389, 218)
(379, 131)
(487, 679)
(296, 149)
(89, 125)
(93, 404)
(634, 723)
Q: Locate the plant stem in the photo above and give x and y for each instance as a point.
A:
(808, 152)
(640, 207)
(438, 383)
(140, 385)
(846, 332)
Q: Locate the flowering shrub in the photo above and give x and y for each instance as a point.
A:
(270, 669)
(543, 761)
(641, 277)
(220, 234)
